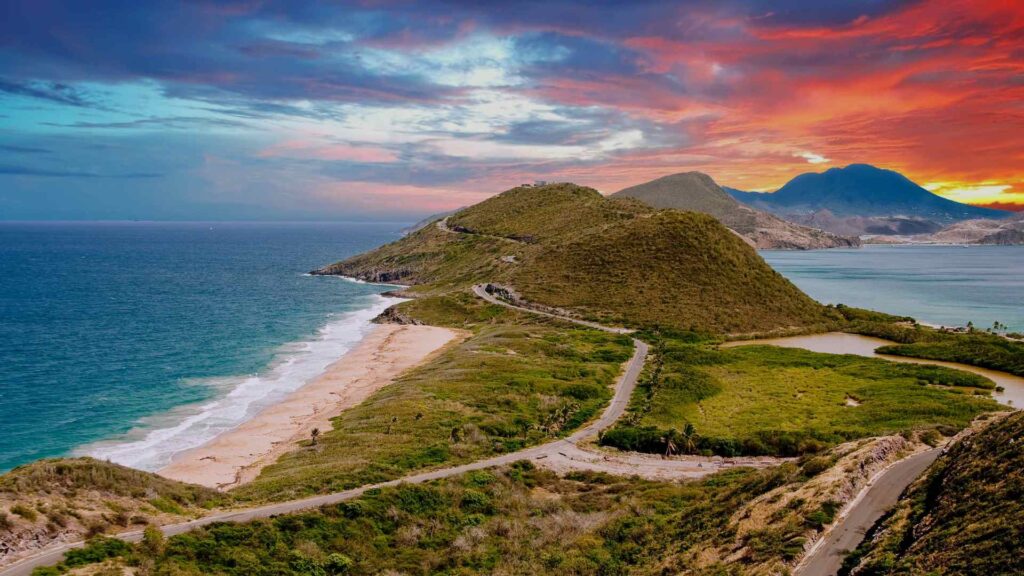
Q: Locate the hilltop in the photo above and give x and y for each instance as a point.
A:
(66, 499)
(614, 259)
(887, 201)
(698, 192)
(961, 517)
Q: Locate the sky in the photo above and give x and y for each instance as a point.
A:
(262, 109)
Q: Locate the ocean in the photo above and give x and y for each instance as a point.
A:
(131, 341)
(947, 285)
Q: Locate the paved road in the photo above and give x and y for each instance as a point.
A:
(623, 390)
(826, 557)
(481, 291)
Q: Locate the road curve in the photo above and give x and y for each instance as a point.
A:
(826, 557)
(481, 291)
(623, 390)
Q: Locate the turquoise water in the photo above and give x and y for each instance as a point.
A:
(948, 285)
(133, 340)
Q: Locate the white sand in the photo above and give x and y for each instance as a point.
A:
(237, 456)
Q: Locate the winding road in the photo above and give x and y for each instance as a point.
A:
(558, 450)
(826, 556)
(823, 559)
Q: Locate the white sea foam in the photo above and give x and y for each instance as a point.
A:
(154, 441)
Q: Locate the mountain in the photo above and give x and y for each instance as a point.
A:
(961, 517)
(865, 199)
(611, 259)
(697, 192)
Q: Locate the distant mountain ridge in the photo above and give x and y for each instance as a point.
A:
(698, 192)
(863, 191)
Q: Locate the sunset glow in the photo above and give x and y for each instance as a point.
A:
(305, 110)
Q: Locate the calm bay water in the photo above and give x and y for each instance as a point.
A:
(186, 326)
(948, 285)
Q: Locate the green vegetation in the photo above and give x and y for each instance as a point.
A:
(544, 214)
(512, 520)
(766, 400)
(615, 260)
(962, 516)
(68, 476)
(515, 381)
(696, 192)
(675, 269)
(95, 550)
(82, 497)
(978, 349)
(974, 347)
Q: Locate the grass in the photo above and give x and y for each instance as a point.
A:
(546, 214)
(610, 259)
(675, 269)
(70, 498)
(765, 400)
(513, 382)
(512, 520)
(961, 517)
(67, 477)
(984, 350)
(975, 347)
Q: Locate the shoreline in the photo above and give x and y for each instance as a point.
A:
(237, 456)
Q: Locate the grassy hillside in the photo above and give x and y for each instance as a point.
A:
(547, 213)
(70, 498)
(962, 517)
(512, 520)
(768, 400)
(691, 191)
(679, 269)
(567, 246)
(516, 380)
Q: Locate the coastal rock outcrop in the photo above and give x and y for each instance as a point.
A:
(394, 316)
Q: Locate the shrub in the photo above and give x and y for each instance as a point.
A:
(338, 564)
(25, 512)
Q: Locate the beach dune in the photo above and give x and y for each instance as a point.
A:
(237, 456)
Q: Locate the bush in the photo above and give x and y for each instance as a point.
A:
(25, 512)
(338, 564)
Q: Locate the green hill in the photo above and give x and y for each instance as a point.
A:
(66, 499)
(681, 269)
(615, 259)
(961, 517)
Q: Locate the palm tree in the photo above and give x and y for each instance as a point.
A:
(313, 435)
(669, 439)
(689, 439)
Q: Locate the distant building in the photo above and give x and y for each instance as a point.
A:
(540, 182)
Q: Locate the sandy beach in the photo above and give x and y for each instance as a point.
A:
(237, 456)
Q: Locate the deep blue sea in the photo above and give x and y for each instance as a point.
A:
(130, 341)
(947, 285)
